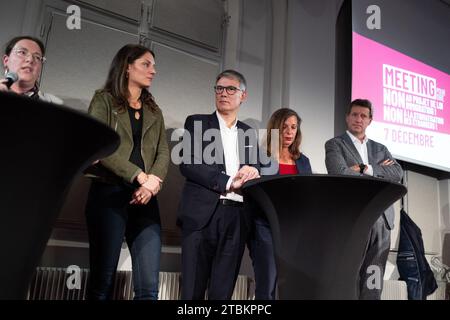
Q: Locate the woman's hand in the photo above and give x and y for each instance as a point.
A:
(141, 196)
(142, 178)
(153, 184)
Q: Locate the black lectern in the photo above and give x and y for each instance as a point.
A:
(320, 224)
(44, 147)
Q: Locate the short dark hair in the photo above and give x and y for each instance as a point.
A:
(233, 74)
(11, 43)
(361, 103)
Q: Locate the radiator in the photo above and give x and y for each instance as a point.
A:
(394, 290)
(441, 293)
(51, 284)
(169, 285)
(242, 288)
(397, 290)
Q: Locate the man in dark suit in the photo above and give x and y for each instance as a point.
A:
(354, 154)
(219, 157)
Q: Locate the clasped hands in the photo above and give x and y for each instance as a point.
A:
(150, 186)
(244, 174)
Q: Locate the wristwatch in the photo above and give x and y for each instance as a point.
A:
(362, 167)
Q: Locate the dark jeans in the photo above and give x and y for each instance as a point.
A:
(260, 246)
(110, 218)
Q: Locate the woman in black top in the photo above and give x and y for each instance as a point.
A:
(122, 199)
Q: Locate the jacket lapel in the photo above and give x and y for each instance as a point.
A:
(243, 150)
(148, 121)
(348, 143)
(124, 119)
(213, 123)
(370, 155)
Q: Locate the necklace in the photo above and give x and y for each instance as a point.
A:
(137, 114)
(137, 109)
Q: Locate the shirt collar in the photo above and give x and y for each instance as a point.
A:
(355, 139)
(32, 93)
(223, 124)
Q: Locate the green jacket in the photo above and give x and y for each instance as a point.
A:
(154, 148)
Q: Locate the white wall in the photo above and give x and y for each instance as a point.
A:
(311, 66)
(11, 19)
(423, 208)
(300, 75)
(444, 215)
(427, 203)
(253, 57)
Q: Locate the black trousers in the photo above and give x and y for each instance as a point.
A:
(262, 253)
(212, 256)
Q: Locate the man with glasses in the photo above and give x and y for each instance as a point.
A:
(211, 213)
(23, 60)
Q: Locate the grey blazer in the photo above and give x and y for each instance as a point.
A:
(341, 154)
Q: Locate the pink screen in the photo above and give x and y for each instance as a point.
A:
(411, 110)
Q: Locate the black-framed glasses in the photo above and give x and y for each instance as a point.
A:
(230, 89)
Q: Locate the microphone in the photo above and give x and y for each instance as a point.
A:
(10, 78)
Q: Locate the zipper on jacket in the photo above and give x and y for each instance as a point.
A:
(115, 119)
(144, 131)
(142, 154)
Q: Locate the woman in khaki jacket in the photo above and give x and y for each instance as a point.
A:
(122, 199)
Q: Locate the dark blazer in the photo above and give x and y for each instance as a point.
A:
(412, 264)
(302, 163)
(341, 154)
(205, 182)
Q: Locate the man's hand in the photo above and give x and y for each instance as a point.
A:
(387, 162)
(141, 196)
(245, 174)
(236, 184)
(249, 173)
(356, 168)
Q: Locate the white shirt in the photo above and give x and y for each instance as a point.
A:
(361, 147)
(231, 154)
(50, 98)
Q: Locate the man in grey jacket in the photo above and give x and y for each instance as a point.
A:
(354, 154)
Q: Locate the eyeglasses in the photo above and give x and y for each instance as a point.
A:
(230, 89)
(24, 53)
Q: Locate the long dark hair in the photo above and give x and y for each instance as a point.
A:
(117, 81)
(276, 121)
